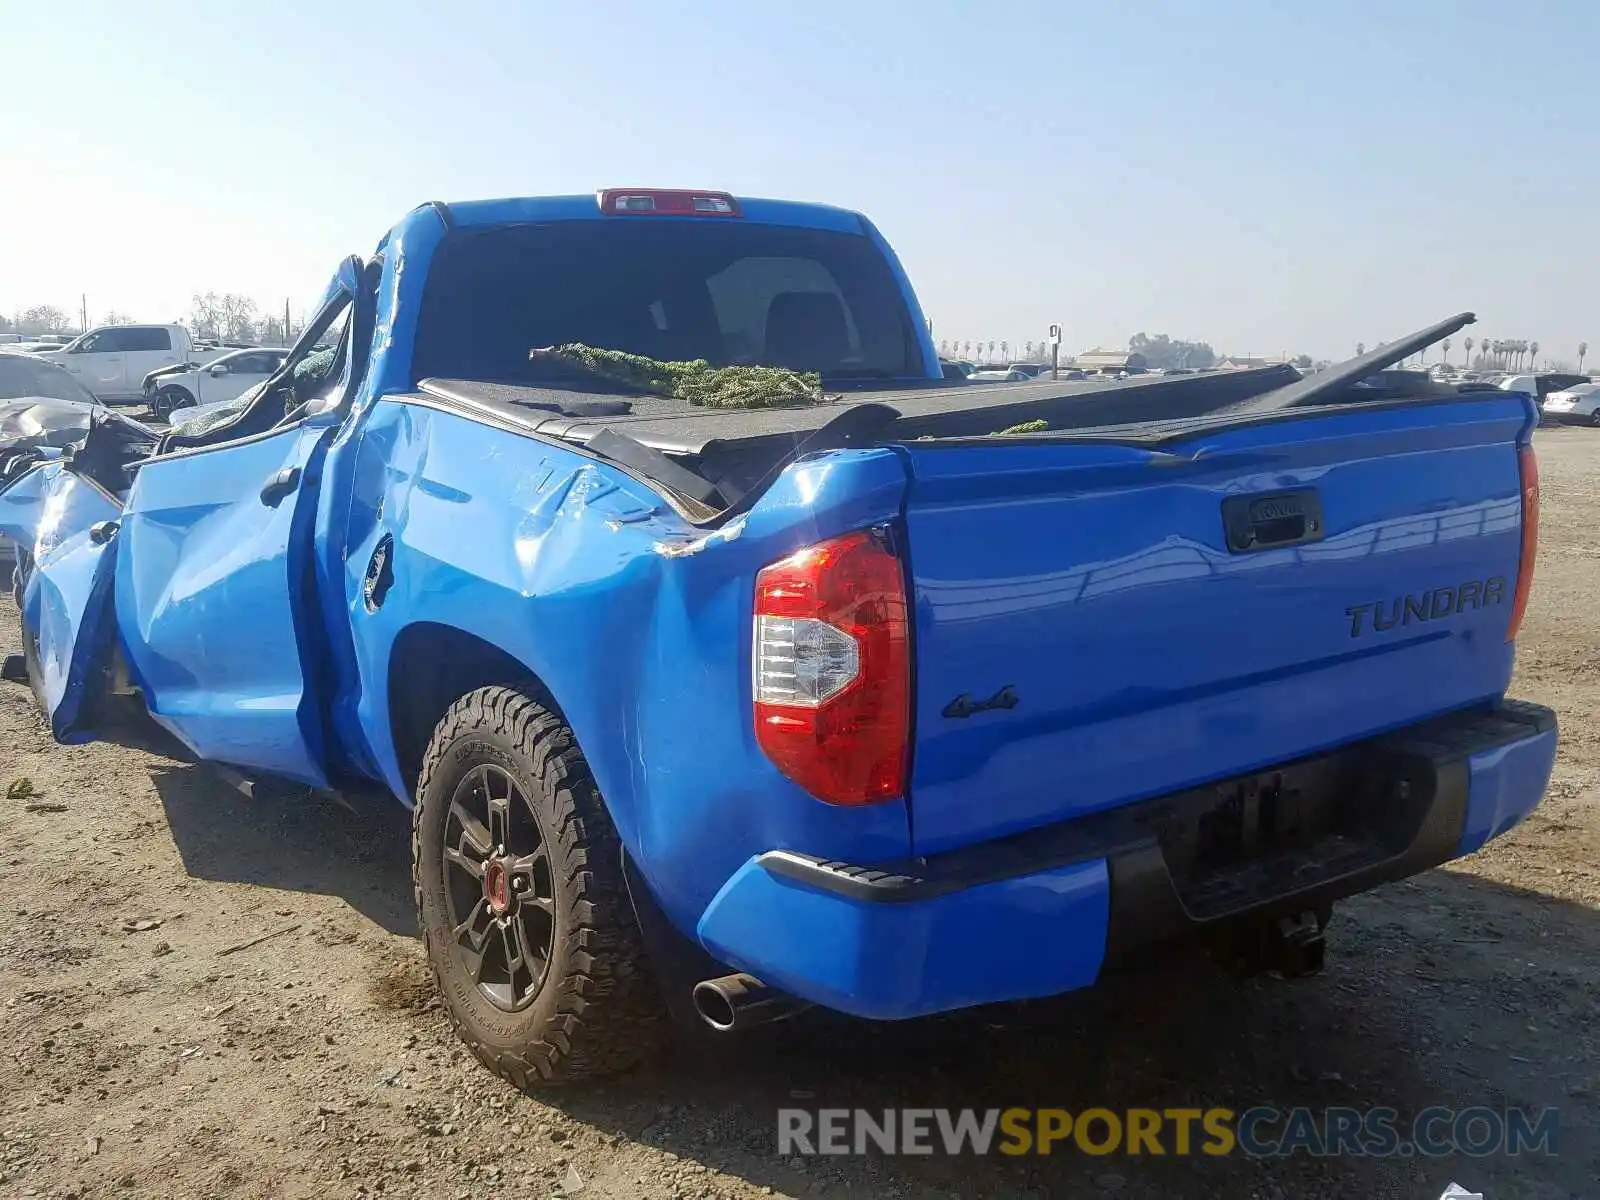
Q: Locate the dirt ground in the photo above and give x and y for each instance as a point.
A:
(206, 995)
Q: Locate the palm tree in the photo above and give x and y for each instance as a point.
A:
(1583, 348)
(1361, 348)
(1533, 355)
(1468, 344)
(1444, 348)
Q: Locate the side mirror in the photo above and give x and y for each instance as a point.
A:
(218, 371)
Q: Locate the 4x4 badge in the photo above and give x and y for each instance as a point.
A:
(964, 705)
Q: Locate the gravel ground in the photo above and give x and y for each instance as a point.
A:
(206, 995)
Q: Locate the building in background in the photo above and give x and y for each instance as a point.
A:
(1240, 362)
(1110, 361)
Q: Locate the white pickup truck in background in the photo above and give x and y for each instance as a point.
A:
(113, 360)
(221, 379)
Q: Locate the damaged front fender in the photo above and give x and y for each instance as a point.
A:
(65, 526)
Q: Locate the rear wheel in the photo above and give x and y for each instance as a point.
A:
(525, 914)
(168, 400)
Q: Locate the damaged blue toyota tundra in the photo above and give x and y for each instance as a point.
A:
(847, 686)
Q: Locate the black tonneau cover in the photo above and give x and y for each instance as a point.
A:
(947, 408)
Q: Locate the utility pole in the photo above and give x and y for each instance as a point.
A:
(1055, 352)
(287, 340)
(83, 311)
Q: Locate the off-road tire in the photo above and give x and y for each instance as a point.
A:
(599, 1011)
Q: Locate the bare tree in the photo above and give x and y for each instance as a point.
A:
(115, 317)
(228, 317)
(42, 318)
(238, 318)
(205, 318)
(272, 332)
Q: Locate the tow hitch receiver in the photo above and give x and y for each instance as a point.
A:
(1290, 946)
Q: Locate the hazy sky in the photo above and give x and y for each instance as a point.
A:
(1267, 175)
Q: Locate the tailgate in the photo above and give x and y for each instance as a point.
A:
(1086, 635)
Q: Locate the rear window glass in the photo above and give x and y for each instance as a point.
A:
(725, 291)
(126, 338)
(148, 337)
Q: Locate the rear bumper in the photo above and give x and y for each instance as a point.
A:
(1045, 912)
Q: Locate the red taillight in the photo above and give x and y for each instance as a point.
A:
(1528, 462)
(832, 665)
(637, 202)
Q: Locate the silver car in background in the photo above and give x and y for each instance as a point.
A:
(1579, 405)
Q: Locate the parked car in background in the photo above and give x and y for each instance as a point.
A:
(28, 347)
(40, 405)
(222, 379)
(28, 377)
(954, 370)
(113, 360)
(1578, 405)
(1539, 386)
(1015, 373)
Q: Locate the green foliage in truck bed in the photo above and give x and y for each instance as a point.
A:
(1025, 427)
(697, 382)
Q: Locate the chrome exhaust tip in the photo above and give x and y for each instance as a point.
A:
(735, 1003)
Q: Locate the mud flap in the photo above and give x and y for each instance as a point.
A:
(69, 535)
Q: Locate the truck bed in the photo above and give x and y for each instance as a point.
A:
(945, 408)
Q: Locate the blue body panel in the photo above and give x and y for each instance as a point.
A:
(1505, 786)
(213, 603)
(49, 512)
(1019, 939)
(1023, 938)
(1090, 577)
(635, 621)
(1096, 582)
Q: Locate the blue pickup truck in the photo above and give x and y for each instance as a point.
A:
(923, 695)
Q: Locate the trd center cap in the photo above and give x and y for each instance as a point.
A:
(497, 886)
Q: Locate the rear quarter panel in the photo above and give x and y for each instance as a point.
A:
(636, 622)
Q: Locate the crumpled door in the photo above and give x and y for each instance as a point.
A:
(65, 529)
